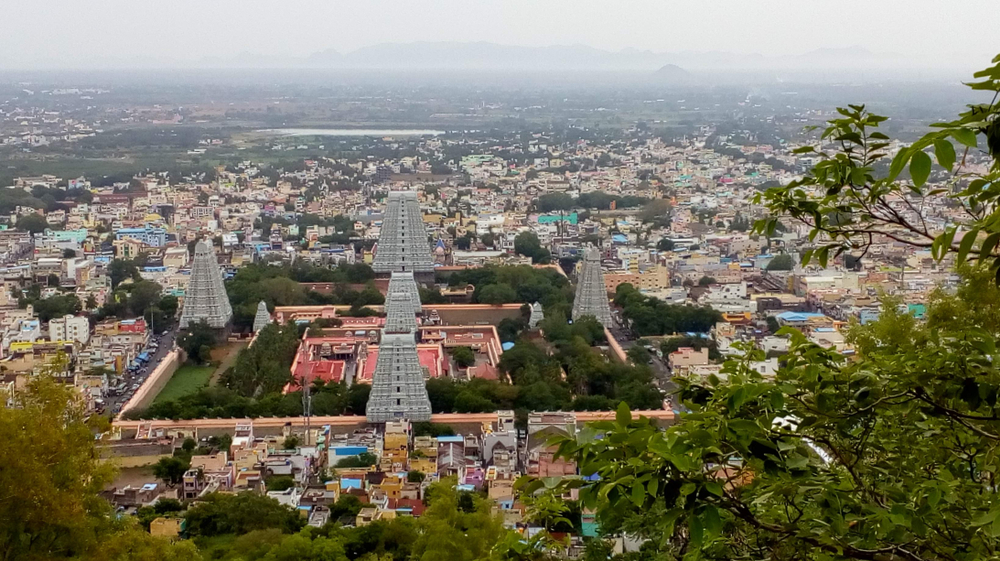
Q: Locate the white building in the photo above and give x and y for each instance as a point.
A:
(70, 328)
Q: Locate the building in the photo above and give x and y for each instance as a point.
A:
(70, 328)
(205, 297)
(591, 295)
(398, 389)
(155, 237)
(402, 243)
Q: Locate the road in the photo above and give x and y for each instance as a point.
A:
(114, 403)
(661, 371)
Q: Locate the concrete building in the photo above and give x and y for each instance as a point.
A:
(70, 328)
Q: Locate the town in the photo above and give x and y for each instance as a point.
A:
(347, 322)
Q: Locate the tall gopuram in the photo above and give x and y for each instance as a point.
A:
(398, 389)
(591, 294)
(402, 242)
(205, 297)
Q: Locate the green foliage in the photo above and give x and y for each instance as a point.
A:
(665, 244)
(416, 476)
(496, 294)
(509, 329)
(848, 196)
(529, 285)
(218, 514)
(265, 366)
(706, 281)
(279, 482)
(527, 244)
(426, 428)
(279, 286)
(171, 470)
(364, 459)
(651, 316)
(782, 262)
(554, 201)
(672, 344)
(833, 459)
(57, 307)
(51, 476)
(197, 341)
(122, 269)
(33, 223)
(464, 357)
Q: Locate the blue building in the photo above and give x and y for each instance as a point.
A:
(155, 237)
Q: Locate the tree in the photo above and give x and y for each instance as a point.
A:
(416, 476)
(527, 244)
(497, 294)
(197, 341)
(219, 514)
(464, 356)
(554, 201)
(33, 223)
(665, 244)
(121, 269)
(143, 294)
(363, 459)
(50, 503)
(449, 531)
(171, 470)
(772, 324)
(848, 197)
(657, 210)
(782, 262)
(706, 281)
(91, 302)
(69, 253)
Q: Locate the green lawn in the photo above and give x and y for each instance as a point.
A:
(187, 380)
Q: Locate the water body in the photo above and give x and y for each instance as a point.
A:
(351, 132)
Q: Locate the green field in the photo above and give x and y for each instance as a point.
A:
(187, 380)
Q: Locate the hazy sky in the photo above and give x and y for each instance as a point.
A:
(82, 32)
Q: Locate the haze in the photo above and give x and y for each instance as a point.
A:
(178, 33)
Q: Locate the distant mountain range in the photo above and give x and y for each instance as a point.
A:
(484, 56)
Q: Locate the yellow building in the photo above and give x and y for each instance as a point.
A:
(171, 528)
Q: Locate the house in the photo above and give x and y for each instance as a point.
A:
(171, 528)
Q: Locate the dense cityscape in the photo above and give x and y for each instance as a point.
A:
(353, 317)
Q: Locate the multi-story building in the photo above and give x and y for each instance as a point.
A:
(70, 328)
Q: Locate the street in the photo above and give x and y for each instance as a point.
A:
(131, 379)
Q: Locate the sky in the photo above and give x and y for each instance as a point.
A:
(72, 33)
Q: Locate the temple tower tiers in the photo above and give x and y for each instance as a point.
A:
(398, 389)
(537, 315)
(402, 242)
(205, 297)
(404, 282)
(263, 317)
(591, 294)
(399, 314)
